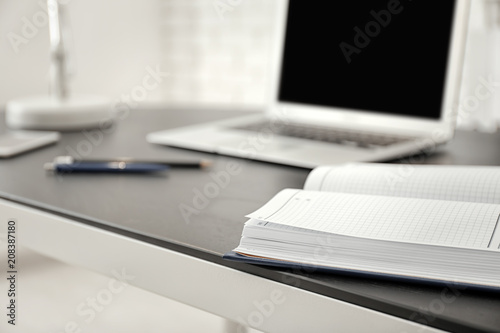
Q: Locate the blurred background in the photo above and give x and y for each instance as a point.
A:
(217, 54)
(216, 51)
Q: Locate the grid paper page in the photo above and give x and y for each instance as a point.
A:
(458, 183)
(438, 222)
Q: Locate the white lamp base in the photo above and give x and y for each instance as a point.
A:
(48, 113)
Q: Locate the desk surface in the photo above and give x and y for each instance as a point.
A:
(147, 208)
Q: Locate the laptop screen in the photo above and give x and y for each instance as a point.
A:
(387, 56)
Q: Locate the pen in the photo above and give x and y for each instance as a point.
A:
(173, 164)
(120, 164)
(108, 167)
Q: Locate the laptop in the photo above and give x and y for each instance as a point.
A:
(353, 81)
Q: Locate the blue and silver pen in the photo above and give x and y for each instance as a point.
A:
(67, 164)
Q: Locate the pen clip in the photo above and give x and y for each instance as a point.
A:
(64, 160)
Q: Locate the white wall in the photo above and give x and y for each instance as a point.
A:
(482, 64)
(113, 43)
(218, 50)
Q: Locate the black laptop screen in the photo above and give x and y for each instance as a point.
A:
(387, 56)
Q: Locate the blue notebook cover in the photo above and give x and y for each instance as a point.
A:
(233, 256)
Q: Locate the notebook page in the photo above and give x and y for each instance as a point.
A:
(437, 222)
(458, 183)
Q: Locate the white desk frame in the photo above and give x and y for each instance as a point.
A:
(220, 290)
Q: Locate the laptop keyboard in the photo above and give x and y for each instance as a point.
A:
(318, 133)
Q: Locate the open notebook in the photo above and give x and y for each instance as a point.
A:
(433, 223)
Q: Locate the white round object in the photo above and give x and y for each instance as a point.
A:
(48, 113)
